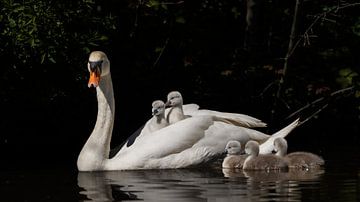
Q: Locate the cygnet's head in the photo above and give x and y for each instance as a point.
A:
(98, 66)
(280, 146)
(174, 98)
(252, 148)
(158, 108)
(233, 147)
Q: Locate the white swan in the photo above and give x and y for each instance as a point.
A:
(186, 143)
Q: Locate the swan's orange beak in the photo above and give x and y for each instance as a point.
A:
(94, 79)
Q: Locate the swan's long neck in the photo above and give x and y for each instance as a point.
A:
(96, 149)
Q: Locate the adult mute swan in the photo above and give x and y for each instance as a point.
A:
(186, 143)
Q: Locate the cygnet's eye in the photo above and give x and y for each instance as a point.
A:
(176, 96)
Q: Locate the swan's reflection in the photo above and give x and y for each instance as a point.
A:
(97, 188)
(180, 184)
(157, 185)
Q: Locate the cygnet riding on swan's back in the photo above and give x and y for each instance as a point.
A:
(176, 112)
(158, 121)
(187, 143)
(303, 160)
(256, 161)
(233, 160)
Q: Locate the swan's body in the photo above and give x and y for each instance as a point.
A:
(158, 121)
(297, 159)
(262, 162)
(234, 159)
(190, 142)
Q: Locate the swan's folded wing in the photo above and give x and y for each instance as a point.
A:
(188, 108)
(172, 139)
(233, 118)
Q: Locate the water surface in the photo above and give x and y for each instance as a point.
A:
(338, 181)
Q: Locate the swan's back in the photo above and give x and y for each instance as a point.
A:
(304, 160)
(265, 162)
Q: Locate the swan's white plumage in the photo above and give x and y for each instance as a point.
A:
(186, 143)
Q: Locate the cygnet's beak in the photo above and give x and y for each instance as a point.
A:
(168, 104)
(154, 111)
(95, 72)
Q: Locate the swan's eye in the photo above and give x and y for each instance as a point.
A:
(96, 64)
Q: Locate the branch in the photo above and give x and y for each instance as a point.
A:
(318, 17)
(136, 21)
(333, 94)
(313, 115)
(293, 46)
(171, 3)
(161, 52)
(290, 48)
(266, 89)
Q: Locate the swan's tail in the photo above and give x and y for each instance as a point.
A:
(268, 146)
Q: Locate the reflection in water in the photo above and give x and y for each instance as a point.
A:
(195, 185)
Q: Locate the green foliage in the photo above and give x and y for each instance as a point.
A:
(356, 27)
(346, 77)
(43, 31)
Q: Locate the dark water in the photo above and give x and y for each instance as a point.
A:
(338, 181)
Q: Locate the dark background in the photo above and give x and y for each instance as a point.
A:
(221, 54)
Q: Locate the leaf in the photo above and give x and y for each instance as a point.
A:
(42, 58)
(164, 6)
(103, 38)
(158, 49)
(180, 20)
(346, 76)
(51, 59)
(357, 94)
